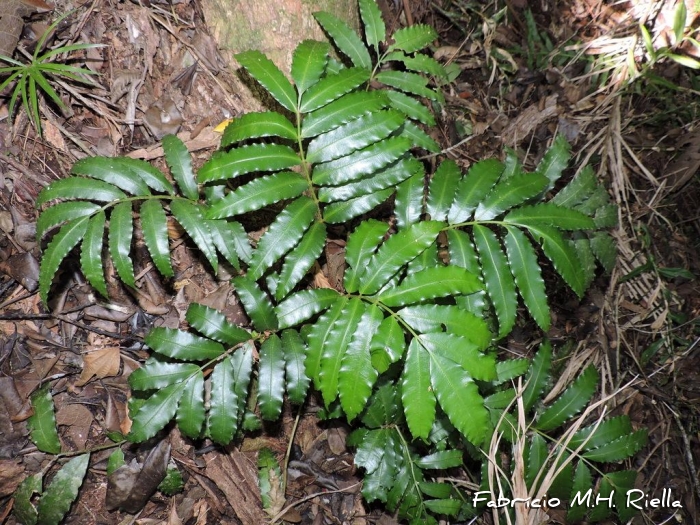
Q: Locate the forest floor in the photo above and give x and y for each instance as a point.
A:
(524, 79)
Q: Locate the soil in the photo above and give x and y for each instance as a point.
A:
(160, 73)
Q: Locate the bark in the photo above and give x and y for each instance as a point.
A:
(274, 27)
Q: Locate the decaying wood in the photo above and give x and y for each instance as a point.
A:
(235, 475)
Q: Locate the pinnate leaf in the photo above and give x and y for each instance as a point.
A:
(361, 244)
(497, 278)
(345, 39)
(363, 162)
(574, 398)
(472, 189)
(528, 276)
(214, 324)
(398, 250)
(463, 352)
(555, 160)
(256, 302)
(156, 412)
(512, 192)
(257, 194)
(190, 411)
(431, 283)
(121, 232)
(354, 135)
(231, 240)
(375, 30)
(345, 210)
(300, 260)
(155, 234)
(320, 336)
(341, 111)
(441, 191)
(357, 376)
(427, 318)
(294, 351)
(387, 177)
(563, 255)
(548, 214)
(63, 212)
(459, 397)
(180, 163)
(223, 405)
(388, 344)
(182, 345)
(58, 497)
(308, 63)
(605, 250)
(247, 159)
(112, 171)
(538, 375)
(271, 378)
(417, 394)
(42, 423)
(332, 87)
(80, 188)
(157, 375)
(62, 243)
(284, 233)
(332, 354)
(191, 218)
(413, 38)
(411, 83)
(145, 172)
(418, 137)
(411, 107)
(91, 253)
(258, 125)
(302, 305)
(270, 77)
(618, 449)
(579, 189)
(601, 434)
(441, 460)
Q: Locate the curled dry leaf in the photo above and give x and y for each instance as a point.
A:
(23, 268)
(99, 363)
(131, 485)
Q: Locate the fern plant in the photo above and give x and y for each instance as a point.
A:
(406, 344)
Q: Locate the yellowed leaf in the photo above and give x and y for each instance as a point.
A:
(99, 363)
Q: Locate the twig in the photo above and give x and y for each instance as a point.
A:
(688, 451)
(24, 170)
(284, 511)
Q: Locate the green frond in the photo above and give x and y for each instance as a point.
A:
(256, 126)
(413, 38)
(309, 63)
(332, 87)
(375, 30)
(270, 77)
(180, 163)
(345, 39)
(247, 159)
(91, 253)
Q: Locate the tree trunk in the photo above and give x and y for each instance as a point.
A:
(274, 27)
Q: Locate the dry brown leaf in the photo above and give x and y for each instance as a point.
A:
(78, 420)
(53, 135)
(100, 363)
(528, 120)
